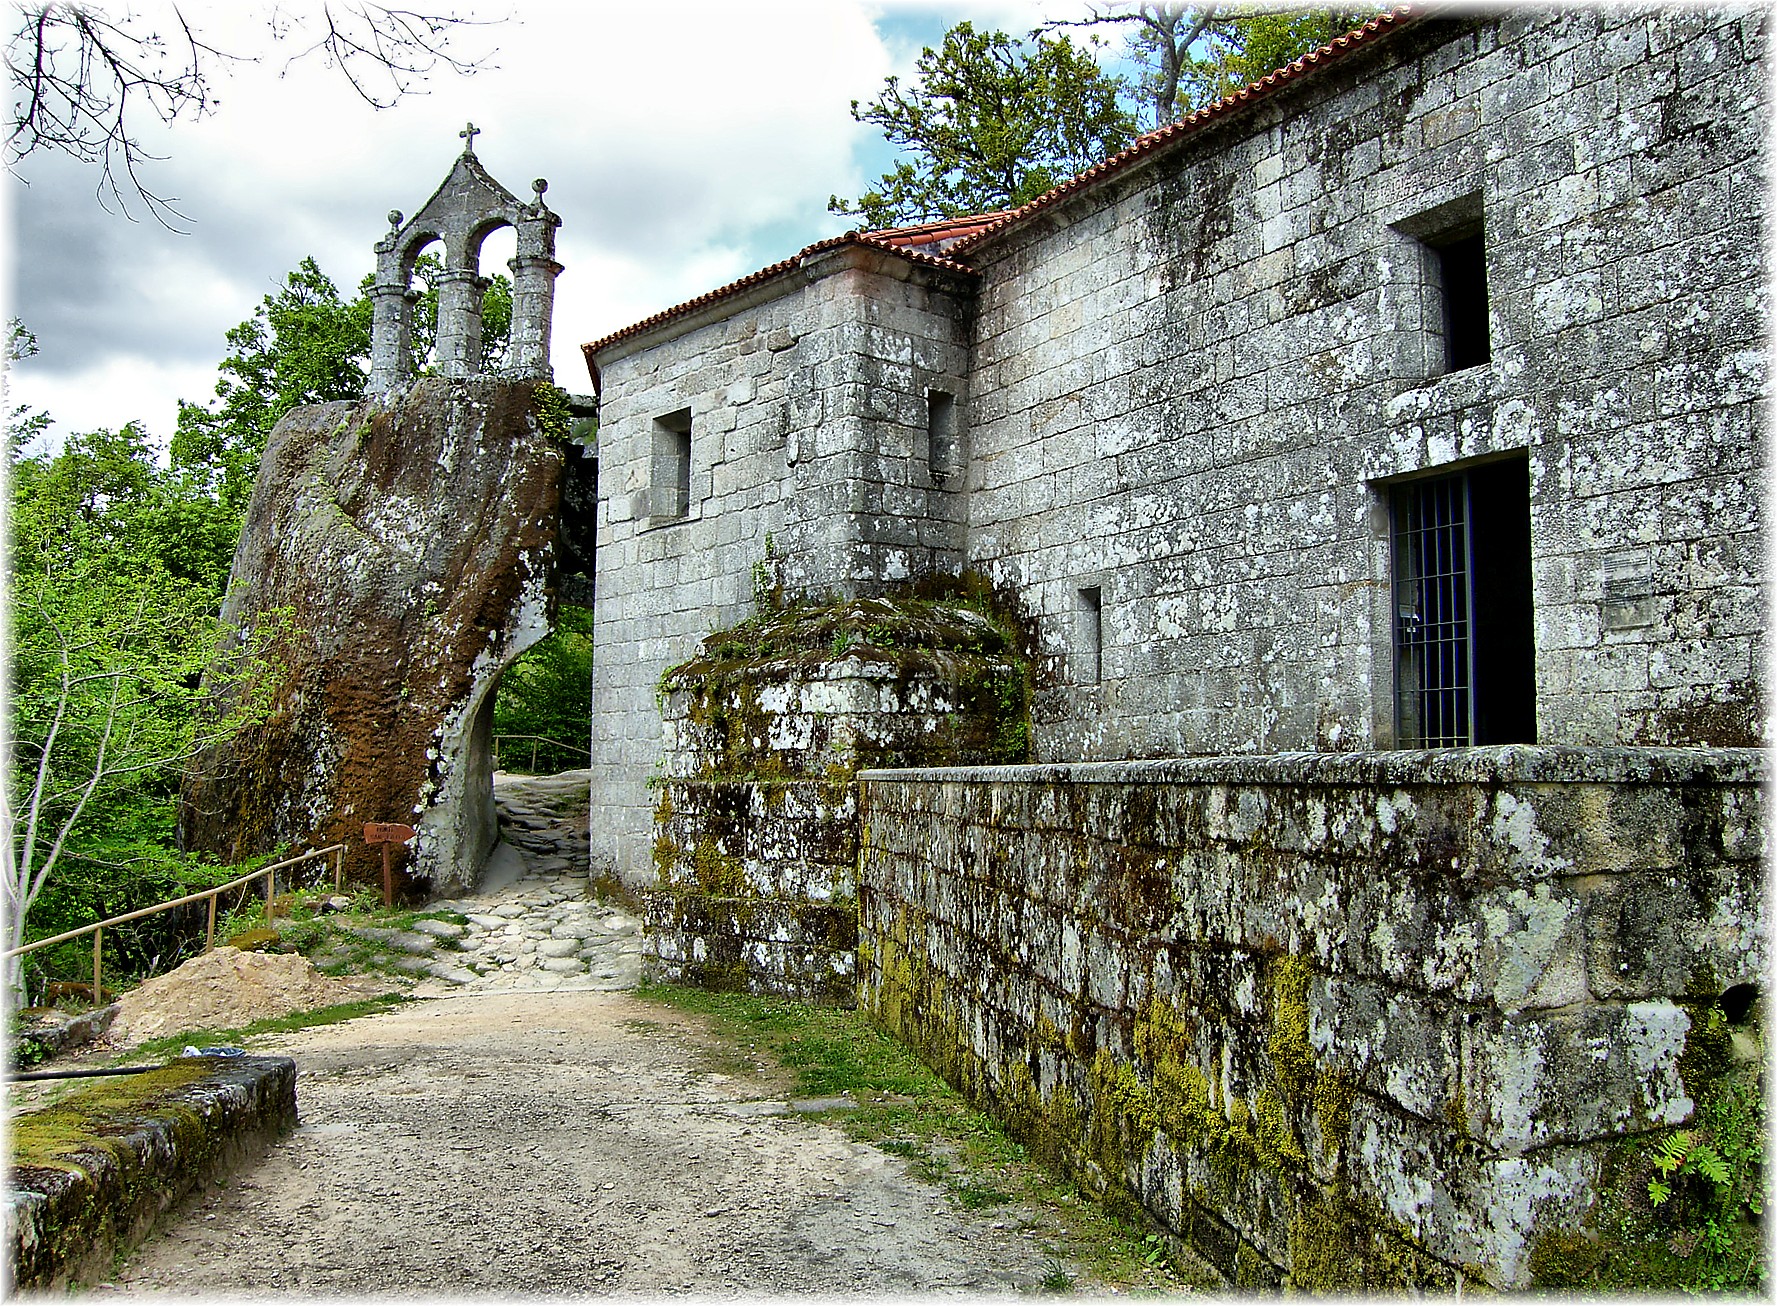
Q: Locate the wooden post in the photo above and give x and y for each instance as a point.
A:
(387, 833)
(533, 757)
(210, 933)
(98, 951)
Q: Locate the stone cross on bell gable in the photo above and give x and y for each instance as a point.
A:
(469, 133)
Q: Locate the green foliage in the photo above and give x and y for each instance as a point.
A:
(990, 122)
(550, 404)
(1680, 1210)
(23, 425)
(302, 345)
(496, 314)
(1238, 50)
(114, 578)
(547, 693)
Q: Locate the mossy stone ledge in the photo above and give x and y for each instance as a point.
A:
(90, 1174)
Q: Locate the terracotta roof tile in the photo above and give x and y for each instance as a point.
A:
(943, 233)
(909, 250)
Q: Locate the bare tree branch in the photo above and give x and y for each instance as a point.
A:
(1166, 31)
(82, 81)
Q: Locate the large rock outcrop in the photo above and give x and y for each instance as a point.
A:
(411, 543)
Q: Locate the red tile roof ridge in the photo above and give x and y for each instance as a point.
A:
(929, 233)
(1144, 146)
(764, 274)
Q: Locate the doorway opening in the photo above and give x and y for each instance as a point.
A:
(1464, 642)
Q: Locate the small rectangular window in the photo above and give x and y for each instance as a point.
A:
(1462, 286)
(1451, 275)
(1089, 658)
(669, 478)
(943, 447)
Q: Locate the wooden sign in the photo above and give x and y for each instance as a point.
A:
(387, 833)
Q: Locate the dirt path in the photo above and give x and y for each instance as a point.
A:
(564, 1143)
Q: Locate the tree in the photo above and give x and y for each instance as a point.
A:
(1248, 45)
(990, 123)
(23, 423)
(1236, 44)
(82, 79)
(1160, 43)
(116, 652)
(547, 692)
(304, 345)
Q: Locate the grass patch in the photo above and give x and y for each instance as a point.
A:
(906, 1110)
(171, 1045)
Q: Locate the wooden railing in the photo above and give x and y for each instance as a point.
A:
(267, 873)
(536, 742)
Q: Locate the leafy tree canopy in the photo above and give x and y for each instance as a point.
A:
(1246, 44)
(305, 345)
(302, 345)
(991, 122)
(988, 123)
(547, 694)
(113, 583)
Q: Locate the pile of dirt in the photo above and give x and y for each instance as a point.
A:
(227, 989)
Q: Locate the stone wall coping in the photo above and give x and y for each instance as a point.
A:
(1501, 765)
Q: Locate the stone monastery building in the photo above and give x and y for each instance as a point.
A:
(1368, 471)
(1409, 398)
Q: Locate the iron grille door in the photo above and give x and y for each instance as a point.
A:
(1433, 601)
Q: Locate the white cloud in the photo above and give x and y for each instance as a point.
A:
(684, 145)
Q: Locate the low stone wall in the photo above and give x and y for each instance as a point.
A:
(91, 1174)
(44, 1033)
(755, 887)
(1338, 1020)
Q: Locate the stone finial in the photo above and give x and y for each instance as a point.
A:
(394, 217)
(469, 133)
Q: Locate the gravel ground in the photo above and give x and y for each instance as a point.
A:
(555, 1143)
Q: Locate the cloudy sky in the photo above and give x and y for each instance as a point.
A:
(684, 144)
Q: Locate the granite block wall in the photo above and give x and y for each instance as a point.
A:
(1194, 385)
(753, 889)
(755, 819)
(1371, 1020)
(804, 475)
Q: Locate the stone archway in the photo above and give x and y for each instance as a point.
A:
(411, 541)
(460, 215)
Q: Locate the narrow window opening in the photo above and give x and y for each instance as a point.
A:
(1462, 278)
(1091, 635)
(1464, 638)
(1737, 1002)
(670, 473)
(943, 454)
(1451, 273)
